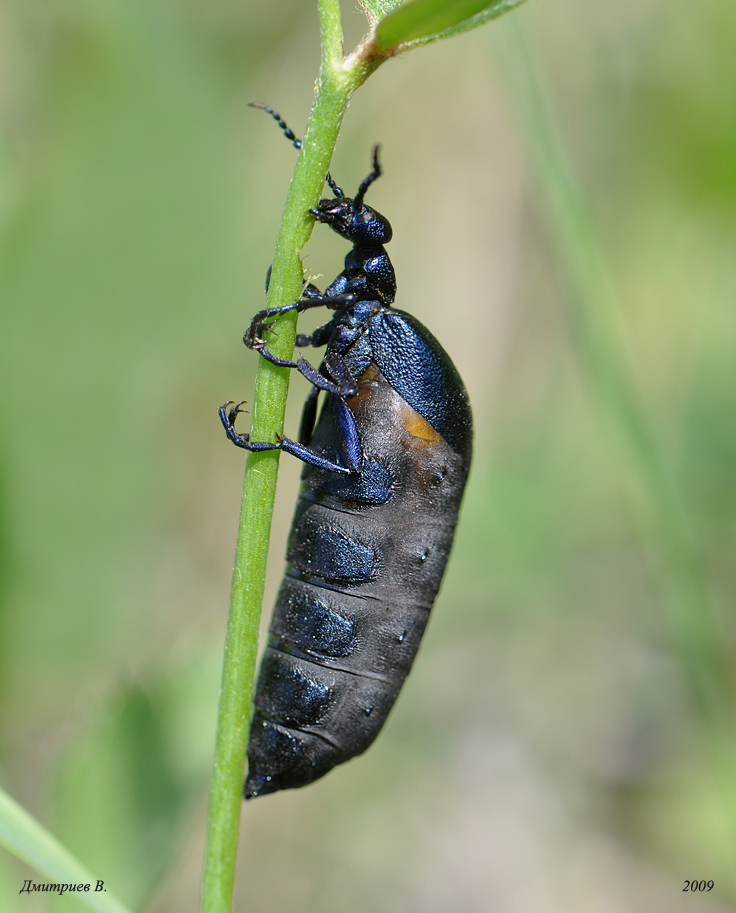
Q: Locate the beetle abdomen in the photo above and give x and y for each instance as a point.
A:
(365, 558)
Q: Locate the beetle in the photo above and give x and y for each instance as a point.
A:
(385, 469)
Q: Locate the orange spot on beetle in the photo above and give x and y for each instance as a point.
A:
(418, 426)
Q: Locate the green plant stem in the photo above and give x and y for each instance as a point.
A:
(336, 84)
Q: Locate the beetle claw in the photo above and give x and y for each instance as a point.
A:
(254, 335)
(235, 412)
(231, 414)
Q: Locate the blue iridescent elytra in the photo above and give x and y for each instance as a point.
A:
(385, 468)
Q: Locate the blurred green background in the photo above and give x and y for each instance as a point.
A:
(564, 742)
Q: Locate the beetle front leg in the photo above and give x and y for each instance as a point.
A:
(253, 337)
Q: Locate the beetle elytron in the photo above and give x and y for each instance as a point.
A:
(386, 465)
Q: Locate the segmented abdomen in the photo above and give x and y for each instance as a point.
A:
(365, 558)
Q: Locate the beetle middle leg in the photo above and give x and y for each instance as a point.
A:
(336, 378)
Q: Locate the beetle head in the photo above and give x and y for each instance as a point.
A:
(362, 226)
(352, 219)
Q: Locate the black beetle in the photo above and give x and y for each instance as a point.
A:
(386, 465)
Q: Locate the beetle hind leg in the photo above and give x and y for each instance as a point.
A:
(228, 414)
(228, 417)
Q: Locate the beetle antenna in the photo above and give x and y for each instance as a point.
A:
(288, 132)
(295, 141)
(336, 188)
(374, 175)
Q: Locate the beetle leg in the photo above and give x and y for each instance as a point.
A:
(253, 335)
(258, 324)
(309, 416)
(349, 284)
(306, 455)
(320, 337)
(311, 291)
(348, 433)
(317, 379)
(343, 383)
(260, 347)
(228, 417)
(233, 412)
(345, 423)
(338, 369)
(300, 451)
(343, 417)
